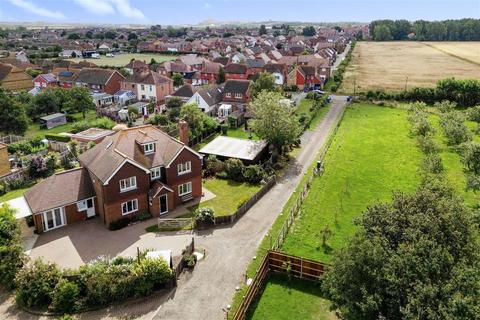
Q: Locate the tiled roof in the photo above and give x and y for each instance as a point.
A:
(94, 75)
(236, 68)
(236, 86)
(59, 190)
(187, 90)
(148, 77)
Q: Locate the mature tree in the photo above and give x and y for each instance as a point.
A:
(471, 160)
(174, 103)
(89, 34)
(110, 35)
(309, 31)
(177, 79)
(416, 258)
(79, 100)
(265, 82)
(44, 103)
(262, 30)
(474, 115)
(132, 36)
(194, 116)
(382, 33)
(221, 76)
(13, 118)
(73, 36)
(454, 128)
(273, 121)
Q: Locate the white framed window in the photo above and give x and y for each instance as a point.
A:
(151, 88)
(149, 147)
(155, 173)
(238, 95)
(228, 95)
(184, 189)
(54, 218)
(143, 87)
(183, 168)
(128, 184)
(129, 206)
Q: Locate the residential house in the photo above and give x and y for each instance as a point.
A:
(46, 80)
(14, 79)
(148, 85)
(134, 171)
(279, 72)
(308, 77)
(209, 73)
(135, 65)
(183, 93)
(236, 96)
(236, 71)
(99, 80)
(255, 66)
(65, 76)
(208, 99)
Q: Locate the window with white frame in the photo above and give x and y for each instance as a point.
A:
(184, 189)
(143, 87)
(149, 147)
(238, 95)
(185, 167)
(155, 173)
(129, 206)
(228, 95)
(128, 184)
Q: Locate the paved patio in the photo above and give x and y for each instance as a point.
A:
(79, 243)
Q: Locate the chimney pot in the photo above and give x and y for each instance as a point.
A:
(183, 131)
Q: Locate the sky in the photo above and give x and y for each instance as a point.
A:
(176, 12)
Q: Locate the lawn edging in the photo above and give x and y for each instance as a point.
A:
(282, 219)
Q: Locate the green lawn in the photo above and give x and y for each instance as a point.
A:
(371, 156)
(35, 131)
(123, 59)
(229, 195)
(290, 299)
(304, 107)
(13, 194)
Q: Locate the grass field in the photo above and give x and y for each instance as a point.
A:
(371, 156)
(386, 65)
(229, 195)
(123, 59)
(290, 299)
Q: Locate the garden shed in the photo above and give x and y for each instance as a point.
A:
(53, 120)
(248, 151)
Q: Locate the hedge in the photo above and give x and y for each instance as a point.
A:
(57, 137)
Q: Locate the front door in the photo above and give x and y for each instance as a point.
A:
(90, 208)
(53, 219)
(163, 204)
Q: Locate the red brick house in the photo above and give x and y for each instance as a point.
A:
(209, 73)
(46, 80)
(100, 80)
(236, 71)
(136, 170)
(308, 77)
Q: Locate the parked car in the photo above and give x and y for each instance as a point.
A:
(95, 56)
(109, 55)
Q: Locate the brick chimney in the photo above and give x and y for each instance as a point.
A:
(183, 131)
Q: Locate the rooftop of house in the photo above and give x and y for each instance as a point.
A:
(211, 95)
(148, 77)
(185, 91)
(236, 86)
(94, 75)
(126, 145)
(62, 188)
(92, 134)
(238, 68)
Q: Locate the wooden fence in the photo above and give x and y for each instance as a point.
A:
(247, 205)
(275, 261)
(11, 138)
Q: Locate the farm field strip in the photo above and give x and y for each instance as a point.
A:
(393, 66)
(371, 156)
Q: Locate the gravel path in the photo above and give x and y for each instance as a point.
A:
(210, 287)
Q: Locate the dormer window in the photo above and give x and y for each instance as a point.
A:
(238, 95)
(228, 95)
(149, 148)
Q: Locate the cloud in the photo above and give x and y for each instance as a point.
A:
(34, 8)
(108, 7)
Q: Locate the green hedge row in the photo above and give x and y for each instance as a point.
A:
(57, 137)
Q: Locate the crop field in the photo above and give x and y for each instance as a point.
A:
(392, 66)
(123, 59)
(372, 155)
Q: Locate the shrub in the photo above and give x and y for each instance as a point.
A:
(222, 175)
(37, 167)
(142, 216)
(234, 169)
(119, 224)
(57, 137)
(80, 126)
(432, 163)
(35, 284)
(103, 123)
(65, 296)
(427, 145)
(159, 120)
(454, 128)
(205, 215)
(19, 183)
(224, 129)
(11, 250)
(253, 174)
(213, 165)
(189, 260)
(151, 274)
